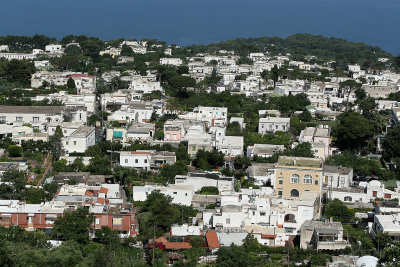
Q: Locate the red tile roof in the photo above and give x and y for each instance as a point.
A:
(173, 245)
(100, 200)
(103, 190)
(212, 240)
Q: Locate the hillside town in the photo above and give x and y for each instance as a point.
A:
(190, 156)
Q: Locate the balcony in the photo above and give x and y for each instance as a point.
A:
(332, 245)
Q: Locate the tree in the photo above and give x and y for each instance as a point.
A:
(196, 241)
(301, 150)
(126, 51)
(296, 126)
(73, 50)
(353, 131)
(14, 151)
(71, 84)
(338, 211)
(170, 171)
(274, 74)
(18, 71)
(35, 195)
(154, 117)
(55, 145)
(100, 165)
(391, 144)
(390, 255)
(305, 116)
(74, 225)
(397, 62)
(16, 177)
(181, 82)
(158, 214)
(117, 83)
(347, 87)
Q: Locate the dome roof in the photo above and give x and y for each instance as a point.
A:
(367, 261)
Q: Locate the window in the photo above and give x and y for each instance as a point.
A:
(19, 119)
(280, 181)
(97, 221)
(136, 161)
(35, 119)
(3, 118)
(316, 182)
(307, 179)
(145, 161)
(117, 221)
(348, 198)
(126, 160)
(295, 179)
(280, 193)
(228, 221)
(185, 194)
(262, 213)
(193, 148)
(175, 193)
(67, 143)
(74, 143)
(294, 193)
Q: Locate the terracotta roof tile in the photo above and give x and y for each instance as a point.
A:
(212, 240)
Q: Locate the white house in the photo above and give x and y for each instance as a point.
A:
(231, 145)
(337, 176)
(135, 159)
(80, 140)
(199, 180)
(180, 194)
(211, 115)
(273, 124)
(37, 116)
(171, 61)
(53, 48)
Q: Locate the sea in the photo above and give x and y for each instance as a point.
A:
(186, 22)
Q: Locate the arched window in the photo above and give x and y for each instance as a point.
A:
(290, 218)
(348, 198)
(295, 179)
(307, 179)
(294, 193)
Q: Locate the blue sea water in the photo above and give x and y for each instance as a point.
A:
(185, 22)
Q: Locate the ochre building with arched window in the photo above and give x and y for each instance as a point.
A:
(295, 175)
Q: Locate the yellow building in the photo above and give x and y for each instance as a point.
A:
(295, 175)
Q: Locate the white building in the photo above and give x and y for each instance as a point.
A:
(180, 194)
(80, 140)
(37, 116)
(199, 180)
(273, 124)
(387, 224)
(135, 159)
(171, 61)
(211, 115)
(231, 145)
(53, 49)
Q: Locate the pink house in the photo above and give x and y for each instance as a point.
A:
(172, 133)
